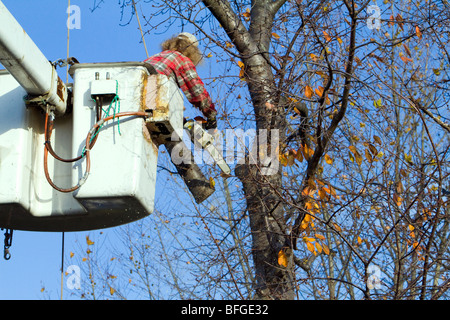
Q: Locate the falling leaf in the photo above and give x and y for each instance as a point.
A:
(209, 55)
(308, 92)
(282, 258)
(71, 254)
(89, 241)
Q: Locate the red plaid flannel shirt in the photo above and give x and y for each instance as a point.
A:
(175, 64)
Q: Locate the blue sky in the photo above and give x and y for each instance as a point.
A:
(36, 256)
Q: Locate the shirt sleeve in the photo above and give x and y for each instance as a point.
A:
(194, 89)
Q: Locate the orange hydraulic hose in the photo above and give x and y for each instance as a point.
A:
(89, 145)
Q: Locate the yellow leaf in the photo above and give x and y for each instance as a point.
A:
(111, 290)
(314, 57)
(282, 258)
(84, 259)
(71, 254)
(212, 183)
(357, 155)
(328, 159)
(308, 92)
(88, 241)
(310, 247)
(308, 239)
(276, 36)
(411, 227)
(359, 240)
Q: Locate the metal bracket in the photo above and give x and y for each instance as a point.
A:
(7, 245)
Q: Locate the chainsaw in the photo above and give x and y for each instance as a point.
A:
(199, 136)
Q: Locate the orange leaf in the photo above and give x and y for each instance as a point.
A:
(88, 241)
(325, 248)
(308, 92)
(318, 247)
(418, 32)
(319, 236)
(276, 36)
(328, 159)
(282, 258)
(327, 37)
(319, 91)
(406, 59)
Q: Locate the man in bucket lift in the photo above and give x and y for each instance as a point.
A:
(178, 59)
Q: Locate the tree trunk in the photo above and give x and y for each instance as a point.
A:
(264, 205)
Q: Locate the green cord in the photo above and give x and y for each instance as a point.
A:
(116, 101)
